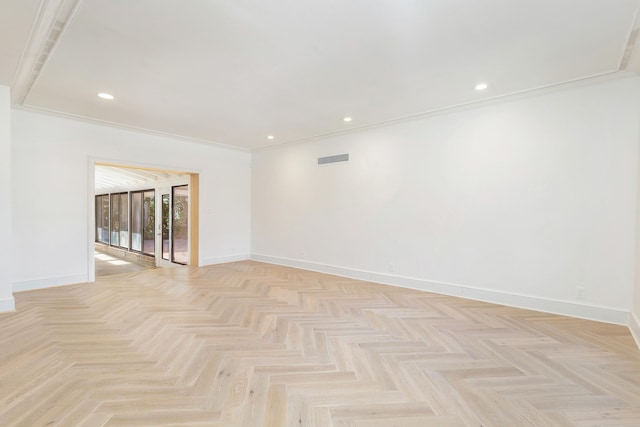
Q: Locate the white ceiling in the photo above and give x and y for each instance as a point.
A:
(234, 71)
(110, 178)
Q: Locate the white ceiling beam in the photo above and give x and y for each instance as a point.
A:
(131, 175)
(53, 18)
(112, 177)
(631, 57)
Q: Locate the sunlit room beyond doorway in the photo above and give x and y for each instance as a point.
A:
(144, 219)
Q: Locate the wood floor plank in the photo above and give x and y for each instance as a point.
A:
(252, 344)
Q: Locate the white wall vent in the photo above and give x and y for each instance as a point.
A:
(333, 159)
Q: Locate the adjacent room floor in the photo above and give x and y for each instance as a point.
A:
(107, 265)
(252, 344)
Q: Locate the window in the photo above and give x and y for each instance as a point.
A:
(102, 218)
(115, 220)
(124, 220)
(136, 221)
(143, 214)
(149, 222)
(128, 220)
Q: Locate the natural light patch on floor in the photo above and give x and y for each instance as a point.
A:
(107, 264)
(110, 259)
(103, 257)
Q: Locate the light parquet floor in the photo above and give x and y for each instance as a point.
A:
(252, 344)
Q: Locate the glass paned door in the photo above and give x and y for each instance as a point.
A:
(166, 226)
(180, 225)
(173, 229)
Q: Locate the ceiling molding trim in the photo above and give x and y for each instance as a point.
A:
(52, 20)
(121, 126)
(509, 97)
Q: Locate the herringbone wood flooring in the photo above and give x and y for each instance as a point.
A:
(251, 344)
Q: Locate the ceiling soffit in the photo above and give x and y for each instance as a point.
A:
(233, 72)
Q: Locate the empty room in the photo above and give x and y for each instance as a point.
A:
(364, 213)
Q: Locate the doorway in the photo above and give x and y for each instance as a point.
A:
(144, 216)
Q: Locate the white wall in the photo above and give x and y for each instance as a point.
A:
(634, 317)
(519, 202)
(52, 174)
(6, 298)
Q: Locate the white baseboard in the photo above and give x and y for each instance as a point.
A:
(564, 308)
(634, 327)
(29, 285)
(224, 259)
(7, 305)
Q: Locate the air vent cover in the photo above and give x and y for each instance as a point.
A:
(333, 159)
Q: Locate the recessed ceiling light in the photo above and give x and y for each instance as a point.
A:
(481, 86)
(347, 119)
(105, 96)
(270, 137)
